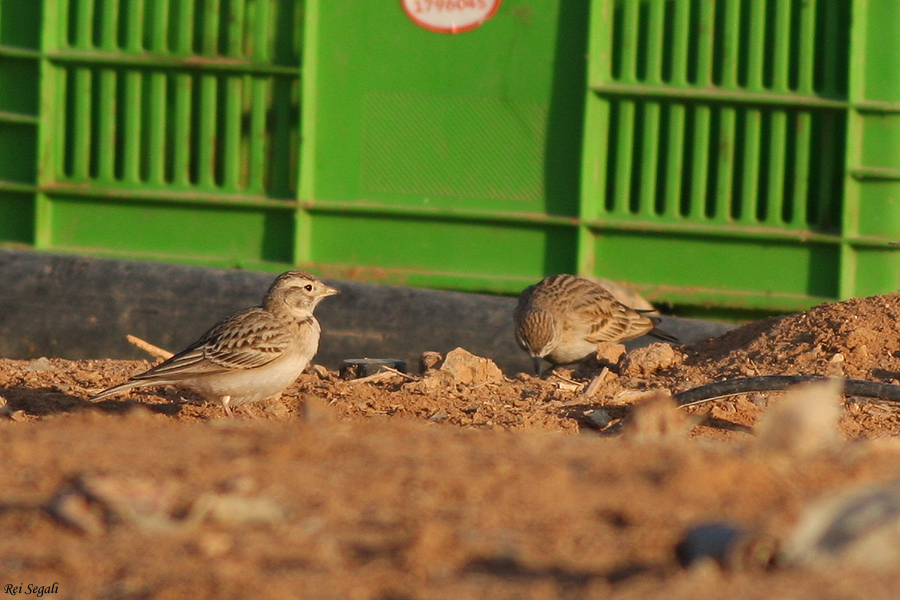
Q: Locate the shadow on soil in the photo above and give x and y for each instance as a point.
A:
(46, 401)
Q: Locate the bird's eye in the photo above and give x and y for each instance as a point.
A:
(308, 287)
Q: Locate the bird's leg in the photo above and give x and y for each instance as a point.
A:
(225, 403)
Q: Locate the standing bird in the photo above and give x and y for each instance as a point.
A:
(563, 318)
(251, 355)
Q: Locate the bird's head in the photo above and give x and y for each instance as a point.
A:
(296, 293)
(537, 334)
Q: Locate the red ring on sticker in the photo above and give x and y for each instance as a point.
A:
(450, 16)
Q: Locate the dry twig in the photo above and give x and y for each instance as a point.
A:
(149, 348)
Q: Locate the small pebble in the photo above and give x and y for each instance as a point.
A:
(18, 416)
(650, 359)
(610, 353)
(759, 400)
(439, 417)
(599, 418)
(467, 368)
(39, 365)
(711, 540)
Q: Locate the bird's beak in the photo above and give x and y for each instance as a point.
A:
(330, 291)
(537, 364)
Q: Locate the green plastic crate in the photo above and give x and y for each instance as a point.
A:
(723, 153)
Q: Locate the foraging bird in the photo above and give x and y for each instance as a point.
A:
(563, 318)
(251, 355)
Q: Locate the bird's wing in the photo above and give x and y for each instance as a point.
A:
(610, 320)
(248, 339)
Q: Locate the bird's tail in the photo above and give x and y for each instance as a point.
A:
(658, 333)
(130, 384)
(663, 335)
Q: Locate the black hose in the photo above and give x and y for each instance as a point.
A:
(772, 383)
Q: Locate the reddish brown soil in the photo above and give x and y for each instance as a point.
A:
(407, 488)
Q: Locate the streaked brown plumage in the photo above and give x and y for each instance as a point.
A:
(563, 318)
(250, 355)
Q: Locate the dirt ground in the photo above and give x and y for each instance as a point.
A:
(459, 483)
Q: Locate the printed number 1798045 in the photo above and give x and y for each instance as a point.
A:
(450, 16)
(421, 6)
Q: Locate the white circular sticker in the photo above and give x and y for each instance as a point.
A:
(450, 16)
